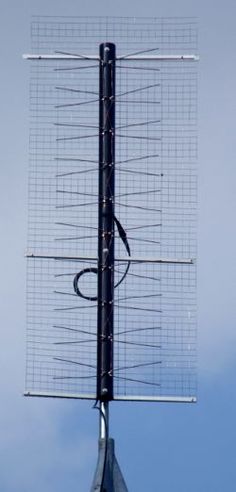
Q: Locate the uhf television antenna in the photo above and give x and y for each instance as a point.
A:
(112, 215)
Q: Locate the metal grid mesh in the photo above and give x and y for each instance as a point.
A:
(156, 192)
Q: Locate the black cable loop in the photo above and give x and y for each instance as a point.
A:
(77, 277)
(76, 283)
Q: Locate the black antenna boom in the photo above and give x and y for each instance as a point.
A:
(106, 222)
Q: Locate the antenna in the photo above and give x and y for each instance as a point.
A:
(112, 216)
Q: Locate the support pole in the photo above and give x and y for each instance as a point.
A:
(104, 420)
(108, 476)
(106, 222)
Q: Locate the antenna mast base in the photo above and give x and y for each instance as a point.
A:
(108, 474)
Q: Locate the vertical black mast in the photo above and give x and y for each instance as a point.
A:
(108, 476)
(106, 222)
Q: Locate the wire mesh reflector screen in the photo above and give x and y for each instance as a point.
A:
(155, 201)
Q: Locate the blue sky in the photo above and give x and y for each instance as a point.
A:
(52, 445)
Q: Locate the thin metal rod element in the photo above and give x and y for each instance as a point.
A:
(138, 53)
(29, 56)
(104, 420)
(134, 259)
(106, 192)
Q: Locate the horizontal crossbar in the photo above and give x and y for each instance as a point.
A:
(132, 259)
(126, 57)
(161, 399)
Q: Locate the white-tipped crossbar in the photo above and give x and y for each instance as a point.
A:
(77, 396)
(132, 259)
(124, 57)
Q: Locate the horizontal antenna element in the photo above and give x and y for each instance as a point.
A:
(131, 259)
(125, 57)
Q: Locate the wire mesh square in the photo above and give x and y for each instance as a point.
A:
(155, 201)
